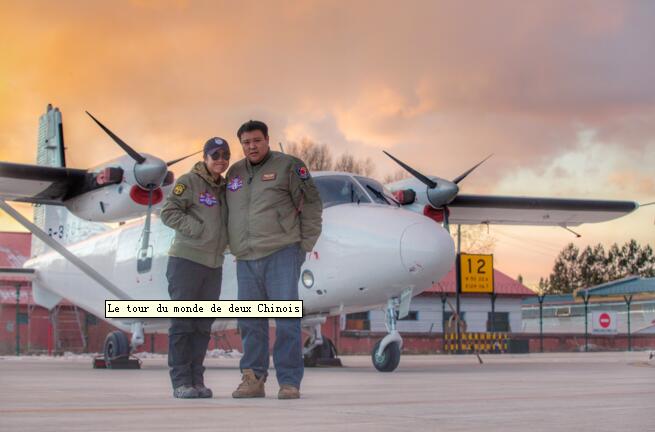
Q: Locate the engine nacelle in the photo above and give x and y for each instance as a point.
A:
(437, 197)
(112, 200)
(115, 203)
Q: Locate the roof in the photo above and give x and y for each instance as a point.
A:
(632, 285)
(550, 299)
(15, 249)
(503, 285)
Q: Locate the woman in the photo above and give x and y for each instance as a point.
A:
(196, 211)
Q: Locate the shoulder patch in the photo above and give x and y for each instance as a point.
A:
(179, 189)
(302, 171)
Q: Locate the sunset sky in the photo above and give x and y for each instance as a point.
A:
(561, 92)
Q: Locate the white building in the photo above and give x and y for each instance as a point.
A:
(432, 310)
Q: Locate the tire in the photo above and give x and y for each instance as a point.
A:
(390, 358)
(116, 346)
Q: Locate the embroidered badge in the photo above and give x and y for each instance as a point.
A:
(179, 189)
(269, 176)
(235, 184)
(302, 172)
(208, 199)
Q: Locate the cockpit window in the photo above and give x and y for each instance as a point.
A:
(339, 189)
(378, 192)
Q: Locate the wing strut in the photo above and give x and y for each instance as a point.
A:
(84, 267)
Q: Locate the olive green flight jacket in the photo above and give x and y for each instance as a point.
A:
(196, 210)
(271, 205)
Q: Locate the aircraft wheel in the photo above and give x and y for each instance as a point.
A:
(116, 346)
(325, 351)
(388, 361)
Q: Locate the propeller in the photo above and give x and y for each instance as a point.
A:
(427, 181)
(440, 192)
(174, 161)
(461, 177)
(129, 150)
(150, 173)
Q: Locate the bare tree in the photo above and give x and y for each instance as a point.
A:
(399, 174)
(318, 157)
(476, 239)
(348, 163)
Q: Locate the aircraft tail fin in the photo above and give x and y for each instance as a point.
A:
(50, 145)
(50, 152)
(56, 221)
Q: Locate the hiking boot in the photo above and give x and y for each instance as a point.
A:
(203, 392)
(185, 392)
(288, 392)
(251, 386)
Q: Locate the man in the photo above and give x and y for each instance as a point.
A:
(274, 220)
(196, 210)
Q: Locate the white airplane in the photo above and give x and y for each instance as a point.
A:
(372, 253)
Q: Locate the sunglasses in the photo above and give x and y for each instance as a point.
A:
(220, 155)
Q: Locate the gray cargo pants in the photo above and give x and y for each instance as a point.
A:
(188, 338)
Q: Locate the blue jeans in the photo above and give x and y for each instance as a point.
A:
(274, 277)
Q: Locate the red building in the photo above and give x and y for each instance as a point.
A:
(430, 313)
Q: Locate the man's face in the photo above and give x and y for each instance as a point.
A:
(217, 166)
(255, 145)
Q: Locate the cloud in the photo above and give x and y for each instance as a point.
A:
(439, 84)
(590, 168)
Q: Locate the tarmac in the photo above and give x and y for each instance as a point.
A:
(529, 392)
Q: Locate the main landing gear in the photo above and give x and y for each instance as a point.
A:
(116, 352)
(319, 350)
(386, 353)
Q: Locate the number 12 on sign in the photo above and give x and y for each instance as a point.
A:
(476, 273)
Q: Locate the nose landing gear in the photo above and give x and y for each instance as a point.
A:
(386, 353)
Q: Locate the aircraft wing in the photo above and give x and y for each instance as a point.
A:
(505, 210)
(41, 184)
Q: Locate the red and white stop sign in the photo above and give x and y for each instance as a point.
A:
(605, 320)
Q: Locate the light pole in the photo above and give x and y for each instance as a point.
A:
(541, 297)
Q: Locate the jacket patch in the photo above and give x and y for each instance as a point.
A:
(269, 176)
(302, 172)
(235, 184)
(208, 199)
(179, 189)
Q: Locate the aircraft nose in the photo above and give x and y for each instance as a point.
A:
(420, 246)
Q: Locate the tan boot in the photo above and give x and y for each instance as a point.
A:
(288, 392)
(250, 387)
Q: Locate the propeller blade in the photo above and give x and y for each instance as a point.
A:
(463, 176)
(129, 150)
(174, 161)
(430, 183)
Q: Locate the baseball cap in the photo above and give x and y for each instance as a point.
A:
(214, 144)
